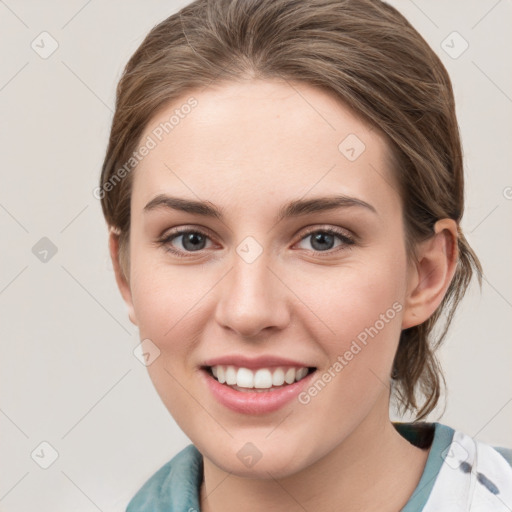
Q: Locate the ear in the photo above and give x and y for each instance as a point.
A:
(122, 282)
(430, 277)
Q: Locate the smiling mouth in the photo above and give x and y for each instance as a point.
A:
(259, 380)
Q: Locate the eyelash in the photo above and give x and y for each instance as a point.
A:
(347, 240)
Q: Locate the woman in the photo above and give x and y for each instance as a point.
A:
(247, 134)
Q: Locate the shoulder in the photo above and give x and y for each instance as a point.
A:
(461, 473)
(473, 474)
(175, 486)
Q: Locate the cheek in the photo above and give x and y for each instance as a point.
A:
(363, 308)
(171, 305)
(161, 293)
(345, 300)
(166, 313)
(166, 304)
(353, 298)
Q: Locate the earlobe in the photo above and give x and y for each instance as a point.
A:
(122, 282)
(431, 276)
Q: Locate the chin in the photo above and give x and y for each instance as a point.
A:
(260, 459)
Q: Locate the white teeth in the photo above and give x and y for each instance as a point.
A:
(245, 378)
(289, 376)
(301, 373)
(263, 378)
(231, 378)
(278, 377)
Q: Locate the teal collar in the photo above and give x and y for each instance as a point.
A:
(419, 434)
(175, 486)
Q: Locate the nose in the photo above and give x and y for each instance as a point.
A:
(253, 298)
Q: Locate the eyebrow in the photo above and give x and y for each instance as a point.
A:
(293, 208)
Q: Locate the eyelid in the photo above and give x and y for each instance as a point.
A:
(342, 232)
(347, 240)
(347, 237)
(165, 239)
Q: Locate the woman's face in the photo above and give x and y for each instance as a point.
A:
(276, 283)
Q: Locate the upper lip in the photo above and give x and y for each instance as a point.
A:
(254, 362)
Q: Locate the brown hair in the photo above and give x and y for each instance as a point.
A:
(371, 58)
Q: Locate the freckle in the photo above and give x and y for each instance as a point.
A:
(491, 487)
(465, 467)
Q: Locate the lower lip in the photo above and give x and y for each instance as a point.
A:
(247, 402)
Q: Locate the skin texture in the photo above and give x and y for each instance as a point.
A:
(248, 148)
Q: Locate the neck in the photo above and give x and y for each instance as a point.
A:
(374, 468)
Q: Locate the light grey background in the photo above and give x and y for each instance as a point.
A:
(68, 373)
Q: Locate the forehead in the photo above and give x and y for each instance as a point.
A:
(258, 139)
